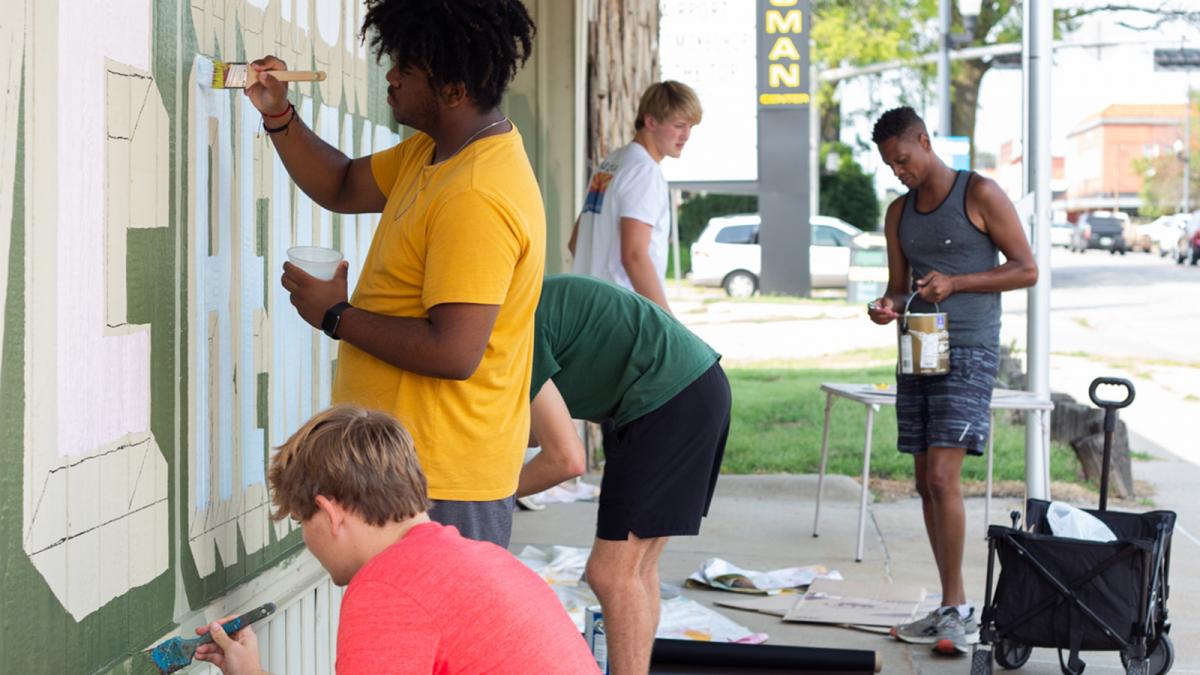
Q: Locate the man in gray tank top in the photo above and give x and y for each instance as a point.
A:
(943, 240)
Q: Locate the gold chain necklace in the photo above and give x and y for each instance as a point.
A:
(417, 185)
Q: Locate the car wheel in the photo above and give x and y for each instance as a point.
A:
(740, 284)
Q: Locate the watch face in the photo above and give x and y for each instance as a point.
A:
(332, 318)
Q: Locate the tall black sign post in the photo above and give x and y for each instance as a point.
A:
(783, 108)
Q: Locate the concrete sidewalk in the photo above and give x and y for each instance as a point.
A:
(765, 522)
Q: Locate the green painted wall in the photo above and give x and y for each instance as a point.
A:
(149, 232)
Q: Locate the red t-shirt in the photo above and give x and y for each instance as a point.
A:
(435, 602)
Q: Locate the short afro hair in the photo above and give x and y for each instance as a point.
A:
(478, 43)
(896, 122)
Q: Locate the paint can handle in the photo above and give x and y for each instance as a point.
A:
(904, 321)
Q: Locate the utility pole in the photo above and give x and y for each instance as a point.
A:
(1186, 60)
(943, 71)
(1039, 36)
(1187, 146)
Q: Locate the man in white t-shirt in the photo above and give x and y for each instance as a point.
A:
(623, 234)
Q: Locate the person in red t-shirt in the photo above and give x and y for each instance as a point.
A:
(420, 598)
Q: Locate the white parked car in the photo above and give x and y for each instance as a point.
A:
(1060, 233)
(727, 253)
(1162, 235)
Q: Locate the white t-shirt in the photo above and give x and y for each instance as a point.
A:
(628, 184)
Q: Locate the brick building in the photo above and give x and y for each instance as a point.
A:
(1103, 148)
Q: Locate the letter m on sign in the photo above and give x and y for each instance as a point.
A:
(778, 22)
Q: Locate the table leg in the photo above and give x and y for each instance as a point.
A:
(824, 460)
(1045, 415)
(866, 482)
(991, 453)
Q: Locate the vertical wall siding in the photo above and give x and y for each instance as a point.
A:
(149, 359)
(299, 638)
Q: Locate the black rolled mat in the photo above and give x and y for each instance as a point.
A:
(779, 657)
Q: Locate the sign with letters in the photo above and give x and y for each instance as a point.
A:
(783, 78)
(784, 92)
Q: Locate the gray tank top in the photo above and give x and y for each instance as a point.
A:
(945, 240)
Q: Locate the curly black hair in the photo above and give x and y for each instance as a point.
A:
(896, 122)
(478, 43)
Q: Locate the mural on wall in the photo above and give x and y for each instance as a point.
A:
(150, 359)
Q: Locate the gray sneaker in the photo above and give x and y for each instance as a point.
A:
(941, 625)
(921, 631)
(956, 634)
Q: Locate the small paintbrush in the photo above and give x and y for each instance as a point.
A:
(241, 76)
(177, 652)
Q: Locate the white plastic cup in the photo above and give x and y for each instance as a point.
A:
(318, 261)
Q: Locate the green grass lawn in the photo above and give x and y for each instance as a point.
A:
(778, 414)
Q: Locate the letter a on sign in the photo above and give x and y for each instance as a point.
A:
(784, 49)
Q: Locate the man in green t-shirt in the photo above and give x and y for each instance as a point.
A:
(603, 353)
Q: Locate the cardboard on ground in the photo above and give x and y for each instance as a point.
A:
(860, 603)
(775, 605)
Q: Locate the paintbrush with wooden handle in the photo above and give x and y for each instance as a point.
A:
(222, 75)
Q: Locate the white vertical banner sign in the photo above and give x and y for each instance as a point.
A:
(709, 45)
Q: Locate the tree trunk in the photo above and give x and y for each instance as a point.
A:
(622, 62)
(965, 98)
(831, 116)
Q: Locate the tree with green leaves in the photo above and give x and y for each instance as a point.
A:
(856, 33)
(849, 192)
(853, 33)
(1162, 176)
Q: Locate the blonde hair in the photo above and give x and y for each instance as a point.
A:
(363, 459)
(662, 100)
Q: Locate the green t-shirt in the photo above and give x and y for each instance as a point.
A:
(611, 352)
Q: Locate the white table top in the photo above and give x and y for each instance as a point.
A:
(885, 394)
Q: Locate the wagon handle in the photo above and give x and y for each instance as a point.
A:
(1110, 425)
(1111, 405)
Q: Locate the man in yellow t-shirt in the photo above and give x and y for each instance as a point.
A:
(439, 331)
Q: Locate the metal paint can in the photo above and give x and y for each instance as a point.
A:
(923, 342)
(593, 634)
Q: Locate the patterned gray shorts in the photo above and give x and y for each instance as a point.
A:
(948, 411)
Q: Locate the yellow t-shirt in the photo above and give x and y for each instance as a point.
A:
(470, 229)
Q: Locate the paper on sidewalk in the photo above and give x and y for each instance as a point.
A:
(681, 618)
(857, 603)
(567, 492)
(725, 576)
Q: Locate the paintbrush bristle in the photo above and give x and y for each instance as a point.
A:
(230, 75)
(174, 654)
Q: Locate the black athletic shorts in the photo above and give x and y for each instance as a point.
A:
(660, 470)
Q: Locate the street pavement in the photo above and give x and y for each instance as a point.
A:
(1133, 316)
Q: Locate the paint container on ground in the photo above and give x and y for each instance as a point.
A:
(593, 634)
(924, 342)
